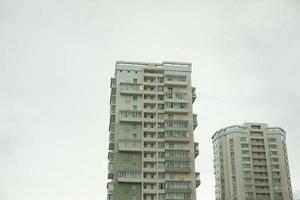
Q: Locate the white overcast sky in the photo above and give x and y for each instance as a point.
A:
(57, 57)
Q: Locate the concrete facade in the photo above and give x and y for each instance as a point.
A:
(151, 147)
(251, 163)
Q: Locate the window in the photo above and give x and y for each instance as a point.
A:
(272, 139)
(246, 159)
(134, 98)
(255, 126)
(245, 152)
(135, 81)
(133, 197)
(246, 166)
(134, 126)
(133, 187)
(244, 139)
(244, 145)
(134, 107)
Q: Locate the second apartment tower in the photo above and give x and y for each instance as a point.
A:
(151, 145)
(251, 163)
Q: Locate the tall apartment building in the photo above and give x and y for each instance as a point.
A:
(151, 145)
(251, 163)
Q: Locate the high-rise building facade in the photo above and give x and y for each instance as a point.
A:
(251, 163)
(151, 144)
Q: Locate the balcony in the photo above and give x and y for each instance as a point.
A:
(129, 88)
(194, 96)
(111, 141)
(198, 181)
(195, 121)
(110, 188)
(113, 86)
(130, 145)
(196, 149)
(112, 113)
(176, 124)
(110, 171)
(176, 110)
(179, 186)
(113, 82)
(111, 146)
(110, 157)
(176, 97)
(178, 169)
(130, 116)
(112, 100)
(175, 80)
(130, 176)
(174, 138)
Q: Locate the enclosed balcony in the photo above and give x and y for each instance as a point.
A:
(174, 135)
(110, 157)
(176, 107)
(130, 176)
(196, 149)
(176, 97)
(194, 96)
(198, 181)
(179, 186)
(130, 116)
(111, 141)
(181, 166)
(176, 124)
(130, 145)
(112, 113)
(131, 88)
(110, 171)
(110, 187)
(175, 80)
(113, 86)
(195, 121)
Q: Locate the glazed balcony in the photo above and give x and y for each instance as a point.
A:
(194, 96)
(130, 176)
(111, 141)
(132, 145)
(178, 169)
(176, 110)
(113, 86)
(175, 80)
(110, 157)
(196, 149)
(176, 97)
(112, 113)
(130, 88)
(198, 181)
(195, 120)
(130, 116)
(110, 171)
